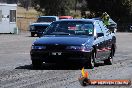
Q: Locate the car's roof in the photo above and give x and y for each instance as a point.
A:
(69, 17)
(86, 20)
(47, 16)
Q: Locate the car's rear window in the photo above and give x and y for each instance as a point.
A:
(71, 27)
(46, 19)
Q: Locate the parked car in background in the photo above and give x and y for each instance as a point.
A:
(41, 24)
(65, 17)
(112, 25)
(73, 41)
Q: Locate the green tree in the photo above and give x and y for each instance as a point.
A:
(54, 7)
(119, 10)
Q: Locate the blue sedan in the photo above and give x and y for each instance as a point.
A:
(73, 41)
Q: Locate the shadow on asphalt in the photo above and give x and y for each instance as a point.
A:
(51, 67)
(56, 67)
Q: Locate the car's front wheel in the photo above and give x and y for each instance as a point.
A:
(32, 34)
(91, 62)
(39, 35)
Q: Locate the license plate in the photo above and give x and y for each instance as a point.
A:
(56, 53)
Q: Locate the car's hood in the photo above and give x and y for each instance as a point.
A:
(64, 40)
(42, 23)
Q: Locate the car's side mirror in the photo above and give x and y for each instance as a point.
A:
(100, 34)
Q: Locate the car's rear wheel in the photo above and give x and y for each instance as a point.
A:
(32, 34)
(109, 61)
(113, 51)
(36, 63)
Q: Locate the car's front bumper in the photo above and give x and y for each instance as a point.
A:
(58, 56)
(36, 32)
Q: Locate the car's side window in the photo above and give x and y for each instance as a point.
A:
(99, 31)
(104, 28)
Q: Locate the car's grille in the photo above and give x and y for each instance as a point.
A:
(40, 28)
(55, 47)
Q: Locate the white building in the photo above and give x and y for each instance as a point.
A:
(8, 18)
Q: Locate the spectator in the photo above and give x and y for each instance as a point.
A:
(105, 18)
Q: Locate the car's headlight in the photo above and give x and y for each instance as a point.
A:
(80, 48)
(38, 47)
(32, 27)
(75, 47)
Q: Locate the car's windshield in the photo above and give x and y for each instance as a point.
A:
(46, 19)
(70, 28)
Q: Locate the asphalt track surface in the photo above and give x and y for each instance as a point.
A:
(16, 70)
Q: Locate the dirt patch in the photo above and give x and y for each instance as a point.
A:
(24, 18)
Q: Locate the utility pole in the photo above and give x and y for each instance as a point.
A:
(75, 5)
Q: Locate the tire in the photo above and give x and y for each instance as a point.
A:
(32, 34)
(36, 63)
(39, 35)
(113, 51)
(91, 62)
(109, 61)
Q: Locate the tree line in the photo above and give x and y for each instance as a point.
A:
(119, 10)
